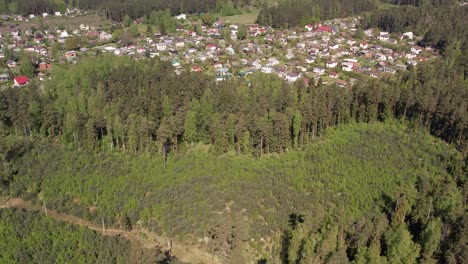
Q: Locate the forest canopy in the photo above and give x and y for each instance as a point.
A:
(362, 187)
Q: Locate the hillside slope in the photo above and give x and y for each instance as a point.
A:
(356, 179)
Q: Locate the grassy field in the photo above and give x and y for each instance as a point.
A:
(245, 19)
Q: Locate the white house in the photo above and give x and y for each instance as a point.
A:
(318, 70)
(58, 14)
(267, 69)
(331, 64)
(64, 34)
(161, 46)
(409, 35)
(292, 77)
(416, 50)
(310, 60)
(181, 17)
(384, 36)
(45, 14)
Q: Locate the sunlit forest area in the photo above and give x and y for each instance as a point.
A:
(259, 170)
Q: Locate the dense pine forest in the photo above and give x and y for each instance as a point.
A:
(116, 10)
(109, 103)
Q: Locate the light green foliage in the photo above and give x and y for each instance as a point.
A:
(242, 32)
(26, 66)
(208, 19)
(72, 43)
(350, 160)
(401, 249)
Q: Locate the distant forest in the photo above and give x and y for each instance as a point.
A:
(291, 13)
(115, 10)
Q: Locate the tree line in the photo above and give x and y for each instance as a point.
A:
(110, 103)
(116, 10)
(292, 13)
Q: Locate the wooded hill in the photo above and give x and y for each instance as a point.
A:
(362, 191)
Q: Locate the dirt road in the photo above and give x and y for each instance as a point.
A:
(184, 253)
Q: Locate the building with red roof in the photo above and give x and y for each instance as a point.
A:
(21, 80)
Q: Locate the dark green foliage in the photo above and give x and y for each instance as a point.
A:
(117, 10)
(32, 238)
(292, 13)
(110, 103)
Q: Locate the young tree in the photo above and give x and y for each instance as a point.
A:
(208, 19)
(72, 43)
(297, 126)
(400, 246)
(242, 32)
(26, 66)
(127, 20)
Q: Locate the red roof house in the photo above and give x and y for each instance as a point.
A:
(323, 28)
(21, 80)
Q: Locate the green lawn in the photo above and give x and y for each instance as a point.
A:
(245, 19)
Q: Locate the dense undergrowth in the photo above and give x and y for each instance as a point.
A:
(354, 174)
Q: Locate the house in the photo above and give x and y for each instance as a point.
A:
(196, 68)
(45, 15)
(388, 70)
(412, 62)
(44, 66)
(105, 36)
(322, 28)
(211, 47)
(11, 64)
(292, 77)
(408, 35)
(4, 77)
(310, 60)
(175, 63)
(334, 46)
(161, 46)
(256, 64)
(181, 17)
(70, 55)
(333, 75)
(267, 69)
(331, 64)
(410, 56)
(416, 50)
(84, 27)
(318, 70)
(384, 36)
(380, 57)
(309, 27)
(341, 83)
(364, 45)
(21, 80)
(64, 34)
(58, 14)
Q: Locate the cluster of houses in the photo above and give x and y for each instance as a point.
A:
(68, 12)
(330, 52)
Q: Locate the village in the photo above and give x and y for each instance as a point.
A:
(336, 51)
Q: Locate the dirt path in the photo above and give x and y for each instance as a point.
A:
(184, 253)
